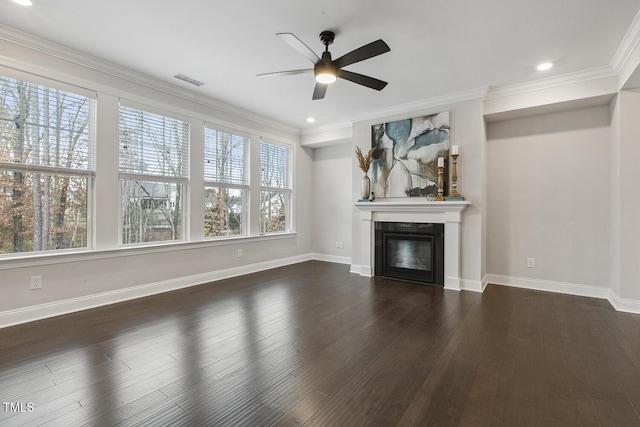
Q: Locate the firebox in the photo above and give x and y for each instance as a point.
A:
(410, 251)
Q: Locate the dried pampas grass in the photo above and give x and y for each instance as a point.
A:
(364, 161)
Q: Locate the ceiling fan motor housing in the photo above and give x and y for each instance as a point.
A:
(325, 67)
(327, 37)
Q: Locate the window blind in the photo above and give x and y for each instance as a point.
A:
(43, 127)
(152, 144)
(225, 157)
(274, 166)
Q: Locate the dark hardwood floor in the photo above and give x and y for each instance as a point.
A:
(312, 344)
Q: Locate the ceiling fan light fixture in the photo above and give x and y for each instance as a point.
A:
(325, 73)
(325, 78)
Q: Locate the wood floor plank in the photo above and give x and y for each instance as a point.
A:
(302, 411)
(421, 407)
(494, 325)
(258, 415)
(99, 415)
(159, 415)
(373, 384)
(311, 344)
(45, 417)
(49, 402)
(231, 394)
(595, 376)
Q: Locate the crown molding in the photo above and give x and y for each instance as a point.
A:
(38, 44)
(438, 101)
(551, 82)
(331, 127)
(629, 43)
(622, 55)
(327, 135)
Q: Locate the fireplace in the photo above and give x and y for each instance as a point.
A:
(410, 251)
(411, 210)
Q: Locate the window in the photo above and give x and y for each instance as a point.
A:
(46, 167)
(153, 176)
(226, 177)
(275, 188)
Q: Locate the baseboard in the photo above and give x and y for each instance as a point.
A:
(549, 286)
(619, 304)
(355, 269)
(473, 285)
(331, 258)
(453, 284)
(43, 311)
(57, 308)
(362, 270)
(624, 305)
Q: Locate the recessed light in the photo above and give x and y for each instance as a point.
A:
(23, 2)
(311, 119)
(544, 66)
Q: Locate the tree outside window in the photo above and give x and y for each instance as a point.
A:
(46, 167)
(275, 188)
(226, 166)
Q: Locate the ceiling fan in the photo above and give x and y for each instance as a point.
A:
(326, 70)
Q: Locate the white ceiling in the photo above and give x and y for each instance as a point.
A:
(438, 47)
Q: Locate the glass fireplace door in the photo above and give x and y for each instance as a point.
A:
(408, 257)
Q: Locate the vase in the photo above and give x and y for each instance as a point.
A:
(365, 188)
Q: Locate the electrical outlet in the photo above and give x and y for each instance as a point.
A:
(239, 253)
(36, 282)
(531, 262)
(341, 245)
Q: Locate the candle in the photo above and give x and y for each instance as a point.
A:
(440, 162)
(454, 150)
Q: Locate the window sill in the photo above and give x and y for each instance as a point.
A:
(61, 257)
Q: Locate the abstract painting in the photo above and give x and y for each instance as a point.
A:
(406, 156)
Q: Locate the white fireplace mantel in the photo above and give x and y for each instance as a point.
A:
(420, 211)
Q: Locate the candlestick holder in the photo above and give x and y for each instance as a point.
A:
(440, 197)
(454, 177)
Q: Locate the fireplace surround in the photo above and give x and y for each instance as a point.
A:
(412, 210)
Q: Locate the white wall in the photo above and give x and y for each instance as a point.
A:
(119, 273)
(548, 198)
(467, 131)
(627, 204)
(614, 197)
(332, 202)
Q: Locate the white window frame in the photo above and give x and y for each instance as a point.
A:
(289, 220)
(246, 188)
(160, 179)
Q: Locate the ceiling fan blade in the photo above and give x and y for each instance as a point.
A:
(302, 48)
(319, 91)
(362, 80)
(367, 51)
(286, 73)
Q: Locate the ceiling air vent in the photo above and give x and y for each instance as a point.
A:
(188, 80)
